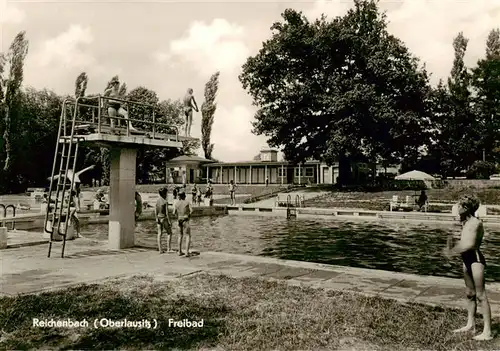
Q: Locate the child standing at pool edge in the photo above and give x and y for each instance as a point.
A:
(163, 220)
(183, 210)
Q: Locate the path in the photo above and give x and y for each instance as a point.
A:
(28, 270)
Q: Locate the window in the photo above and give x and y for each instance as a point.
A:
(281, 172)
(304, 172)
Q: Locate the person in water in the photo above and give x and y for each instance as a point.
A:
(183, 210)
(473, 265)
(163, 222)
(189, 104)
(115, 107)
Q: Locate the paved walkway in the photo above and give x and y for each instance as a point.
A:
(27, 270)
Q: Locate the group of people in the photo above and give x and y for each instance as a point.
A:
(182, 209)
(117, 107)
(196, 193)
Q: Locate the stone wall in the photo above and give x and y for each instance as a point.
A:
(471, 183)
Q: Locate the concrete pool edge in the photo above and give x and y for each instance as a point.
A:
(354, 214)
(28, 270)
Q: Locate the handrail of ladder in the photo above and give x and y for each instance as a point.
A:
(288, 201)
(298, 201)
(100, 99)
(62, 120)
(5, 208)
(62, 125)
(70, 145)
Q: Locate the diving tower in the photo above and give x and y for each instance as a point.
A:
(85, 121)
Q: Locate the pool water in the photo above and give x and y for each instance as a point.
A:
(399, 247)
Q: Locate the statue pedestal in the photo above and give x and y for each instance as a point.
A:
(122, 198)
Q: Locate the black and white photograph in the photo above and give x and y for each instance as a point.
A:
(250, 175)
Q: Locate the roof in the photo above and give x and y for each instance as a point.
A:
(185, 158)
(258, 163)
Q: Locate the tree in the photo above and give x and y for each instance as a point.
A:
(338, 90)
(81, 85)
(459, 128)
(486, 102)
(207, 114)
(10, 87)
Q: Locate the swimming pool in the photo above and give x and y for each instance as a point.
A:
(399, 247)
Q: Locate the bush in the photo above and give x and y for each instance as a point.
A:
(481, 170)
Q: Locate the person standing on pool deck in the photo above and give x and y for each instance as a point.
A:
(473, 265)
(163, 220)
(194, 191)
(183, 210)
(232, 189)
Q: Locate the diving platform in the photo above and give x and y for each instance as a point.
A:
(87, 134)
(87, 121)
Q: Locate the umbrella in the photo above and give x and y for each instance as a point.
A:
(415, 175)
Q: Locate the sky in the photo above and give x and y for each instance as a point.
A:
(170, 46)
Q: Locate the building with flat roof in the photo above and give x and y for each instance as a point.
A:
(196, 169)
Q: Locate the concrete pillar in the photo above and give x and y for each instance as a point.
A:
(220, 175)
(235, 174)
(122, 198)
(265, 173)
(282, 174)
(299, 174)
(250, 174)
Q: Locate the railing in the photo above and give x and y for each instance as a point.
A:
(5, 209)
(97, 115)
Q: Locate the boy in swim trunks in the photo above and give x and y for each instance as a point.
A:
(183, 210)
(232, 189)
(163, 220)
(473, 265)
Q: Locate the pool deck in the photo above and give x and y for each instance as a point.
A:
(27, 270)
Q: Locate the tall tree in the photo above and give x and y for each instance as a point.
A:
(10, 87)
(81, 84)
(207, 114)
(486, 101)
(338, 90)
(461, 143)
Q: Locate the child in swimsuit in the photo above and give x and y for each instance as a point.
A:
(473, 265)
(163, 223)
(183, 210)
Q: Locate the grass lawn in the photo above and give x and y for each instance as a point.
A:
(238, 314)
(379, 201)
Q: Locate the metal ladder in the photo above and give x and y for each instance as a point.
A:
(291, 210)
(65, 157)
